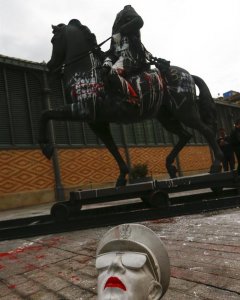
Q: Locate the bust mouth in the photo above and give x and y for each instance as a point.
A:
(114, 282)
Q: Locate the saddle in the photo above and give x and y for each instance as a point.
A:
(135, 89)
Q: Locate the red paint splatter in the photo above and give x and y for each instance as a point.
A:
(8, 255)
(53, 241)
(13, 254)
(12, 286)
(74, 277)
(30, 267)
(40, 256)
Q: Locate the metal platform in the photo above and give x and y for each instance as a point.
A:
(154, 193)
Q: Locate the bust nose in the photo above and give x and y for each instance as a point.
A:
(116, 265)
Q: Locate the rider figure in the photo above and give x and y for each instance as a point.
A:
(127, 55)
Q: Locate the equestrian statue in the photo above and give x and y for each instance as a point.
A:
(121, 86)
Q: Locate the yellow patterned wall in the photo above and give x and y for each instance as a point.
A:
(192, 158)
(27, 175)
(24, 170)
(86, 166)
(96, 165)
(196, 158)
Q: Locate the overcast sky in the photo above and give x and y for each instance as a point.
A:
(201, 36)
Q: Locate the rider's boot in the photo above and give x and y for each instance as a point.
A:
(114, 84)
(118, 86)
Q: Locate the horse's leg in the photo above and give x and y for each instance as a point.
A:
(46, 116)
(210, 136)
(191, 118)
(102, 130)
(65, 113)
(174, 126)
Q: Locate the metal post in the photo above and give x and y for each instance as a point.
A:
(59, 190)
(127, 155)
(180, 173)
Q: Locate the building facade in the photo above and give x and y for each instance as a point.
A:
(80, 159)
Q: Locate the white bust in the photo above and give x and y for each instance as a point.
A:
(127, 268)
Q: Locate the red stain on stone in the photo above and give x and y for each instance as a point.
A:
(74, 277)
(28, 248)
(40, 256)
(12, 286)
(8, 255)
(2, 267)
(53, 241)
(30, 267)
(13, 254)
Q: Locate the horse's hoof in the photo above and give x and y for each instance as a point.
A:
(215, 169)
(47, 151)
(172, 171)
(121, 182)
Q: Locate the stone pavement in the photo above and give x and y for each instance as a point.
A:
(204, 253)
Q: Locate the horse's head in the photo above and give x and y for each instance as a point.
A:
(69, 42)
(59, 47)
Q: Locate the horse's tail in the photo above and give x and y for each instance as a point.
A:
(206, 104)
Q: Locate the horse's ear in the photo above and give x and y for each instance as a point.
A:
(58, 27)
(55, 29)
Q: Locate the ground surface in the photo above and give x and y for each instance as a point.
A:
(204, 253)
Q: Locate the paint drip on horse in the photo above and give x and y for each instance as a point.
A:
(127, 72)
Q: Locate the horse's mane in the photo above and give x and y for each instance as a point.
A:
(86, 31)
(76, 23)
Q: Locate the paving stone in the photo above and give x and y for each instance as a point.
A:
(233, 285)
(181, 285)
(75, 293)
(85, 282)
(47, 280)
(12, 297)
(90, 271)
(191, 265)
(45, 295)
(208, 279)
(208, 292)
(177, 295)
(204, 253)
(70, 264)
(4, 290)
(83, 259)
(27, 288)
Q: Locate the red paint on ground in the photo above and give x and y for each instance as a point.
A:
(40, 256)
(30, 267)
(12, 286)
(13, 253)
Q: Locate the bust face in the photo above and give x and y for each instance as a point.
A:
(124, 276)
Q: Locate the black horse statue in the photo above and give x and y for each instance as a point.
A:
(170, 98)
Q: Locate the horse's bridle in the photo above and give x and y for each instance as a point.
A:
(81, 56)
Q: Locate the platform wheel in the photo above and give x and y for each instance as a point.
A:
(74, 207)
(158, 199)
(60, 212)
(74, 202)
(217, 190)
(145, 200)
